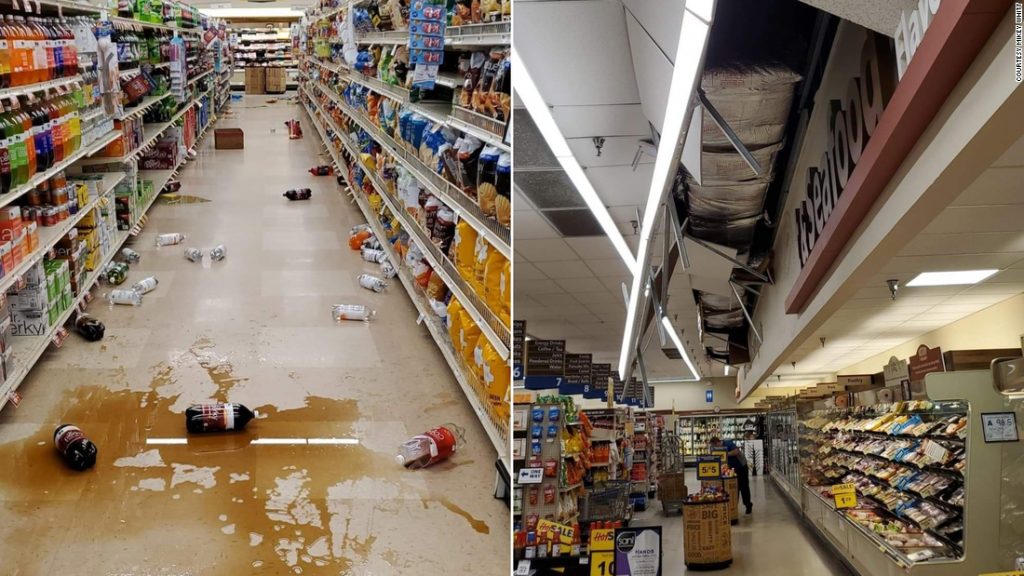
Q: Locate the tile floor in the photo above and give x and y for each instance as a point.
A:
(770, 542)
(255, 328)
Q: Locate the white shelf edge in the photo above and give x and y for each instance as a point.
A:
(32, 88)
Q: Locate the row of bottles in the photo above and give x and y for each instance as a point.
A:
(36, 135)
(34, 50)
(160, 11)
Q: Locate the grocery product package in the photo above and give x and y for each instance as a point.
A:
(469, 333)
(454, 327)
(494, 279)
(464, 248)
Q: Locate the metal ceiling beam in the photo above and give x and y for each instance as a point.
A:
(730, 135)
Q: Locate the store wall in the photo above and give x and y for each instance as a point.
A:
(975, 126)
(999, 326)
(686, 396)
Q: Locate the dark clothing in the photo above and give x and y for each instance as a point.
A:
(734, 462)
(742, 472)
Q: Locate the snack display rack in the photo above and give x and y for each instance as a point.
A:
(927, 482)
(267, 47)
(644, 472)
(346, 106)
(101, 133)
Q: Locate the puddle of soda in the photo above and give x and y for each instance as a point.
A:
(119, 501)
(172, 199)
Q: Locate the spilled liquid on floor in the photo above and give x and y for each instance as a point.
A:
(281, 509)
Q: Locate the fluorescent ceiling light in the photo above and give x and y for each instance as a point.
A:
(534, 103)
(727, 369)
(693, 36)
(252, 13)
(679, 346)
(166, 440)
(953, 278)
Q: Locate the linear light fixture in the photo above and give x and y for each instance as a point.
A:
(693, 37)
(252, 13)
(727, 369)
(530, 96)
(952, 278)
(674, 335)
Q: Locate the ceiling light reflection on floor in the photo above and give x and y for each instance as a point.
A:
(272, 441)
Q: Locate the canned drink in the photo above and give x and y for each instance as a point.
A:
(388, 269)
(146, 285)
(170, 239)
(194, 254)
(359, 228)
(372, 283)
(218, 252)
(372, 243)
(375, 256)
(125, 297)
(352, 312)
(131, 256)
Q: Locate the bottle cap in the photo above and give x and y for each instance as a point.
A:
(400, 459)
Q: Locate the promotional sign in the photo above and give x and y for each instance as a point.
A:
(602, 552)
(599, 374)
(518, 340)
(545, 364)
(576, 374)
(722, 455)
(709, 467)
(1000, 426)
(638, 551)
(531, 475)
(845, 495)
(926, 361)
(896, 372)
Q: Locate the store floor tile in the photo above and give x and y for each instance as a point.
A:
(770, 542)
(256, 329)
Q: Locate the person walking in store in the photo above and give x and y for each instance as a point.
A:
(738, 462)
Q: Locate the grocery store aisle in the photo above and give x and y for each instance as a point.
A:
(770, 542)
(256, 329)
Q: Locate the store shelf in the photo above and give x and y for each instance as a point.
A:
(497, 334)
(32, 88)
(465, 207)
(26, 350)
(49, 235)
(151, 131)
(41, 177)
(132, 24)
(470, 35)
(496, 432)
(192, 81)
(141, 108)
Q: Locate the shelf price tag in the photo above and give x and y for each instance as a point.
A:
(602, 551)
(845, 495)
(709, 468)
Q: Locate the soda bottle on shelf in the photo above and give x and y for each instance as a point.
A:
(217, 417)
(5, 57)
(6, 168)
(428, 448)
(49, 50)
(77, 450)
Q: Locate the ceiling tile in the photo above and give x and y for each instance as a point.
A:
(590, 246)
(614, 283)
(565, 269)
(543, 250)
(616, 151)
(609, 267)
(993, 187)
(965, 243)
(621, 185)
(536, 287)
(966, 218)
(583, 121)
(579, 286)
(526, 271)
(532, 226)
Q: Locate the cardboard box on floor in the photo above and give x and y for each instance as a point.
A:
(228, 139)
(277, 81)
(255, 80)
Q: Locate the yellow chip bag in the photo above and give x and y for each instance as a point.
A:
(463, 248)
(496, 374)
(494, 277)
(454, 308)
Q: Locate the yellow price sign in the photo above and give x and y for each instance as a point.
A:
(602, 539)
(709, 470)
(845, 500)
(602, 563)
(843, 489)
(722, 455)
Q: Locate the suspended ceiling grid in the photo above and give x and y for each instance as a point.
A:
(607, 75)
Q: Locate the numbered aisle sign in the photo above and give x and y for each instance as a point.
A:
(845, 495)
(709, 467)
(602, 552)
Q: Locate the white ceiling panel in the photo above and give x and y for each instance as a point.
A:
(653, 71)
(557, 301)
(583, 64)
(614, 283)
(612, 120)
(661, 20)
(965, 243)
(621, 186)
(993, 187)
(939, 263)
(613, 268)
(535, 288)
(527, 271)
(543, 250)
(600, 300)
(530, 225)
(1014, 156)
(616, 151)
(590, 247)
(580, 286)
(966, 218)
(1008, 275)
(520, 203)
(562, 269)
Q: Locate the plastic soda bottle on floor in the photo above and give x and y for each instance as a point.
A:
(217, 417)
(428, 448)
(77, 450)
(373, 255)
(170, 239)
(372, 283)
(146, 285)
(351, 312)
(301, 194)
(90, 328)
(193, 254)
(125, 297)
(218, 252)
(131, 256)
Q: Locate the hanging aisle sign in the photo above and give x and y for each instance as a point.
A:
(545, 364)
(518, 341)
(576, 375)
(599, 374)
(618, 387)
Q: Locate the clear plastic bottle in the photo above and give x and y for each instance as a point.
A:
(218, 252)
(170, 239)
(431, 447)
(372, 283)
(125, 297)
(146, 285)
(373, 255)
(352, 312)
